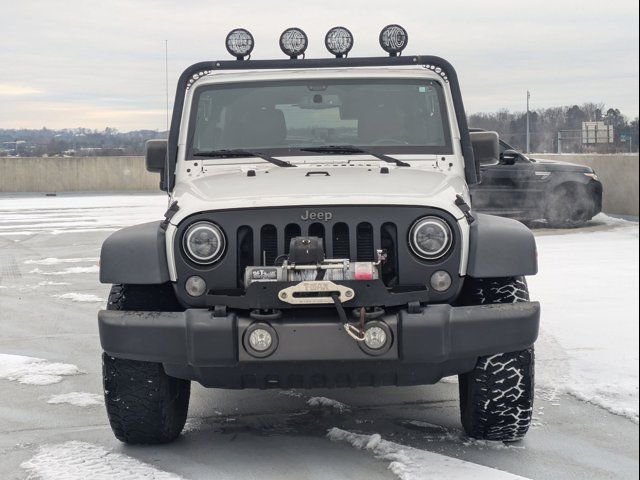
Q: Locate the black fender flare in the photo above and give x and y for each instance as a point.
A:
(135, 255)
(500, 247)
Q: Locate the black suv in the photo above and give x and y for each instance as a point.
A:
(515, 185)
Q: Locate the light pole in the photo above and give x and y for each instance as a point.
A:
(528, 135)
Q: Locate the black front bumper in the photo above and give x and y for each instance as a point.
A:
(313, 348)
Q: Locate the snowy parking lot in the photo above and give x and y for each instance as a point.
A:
(53, 424)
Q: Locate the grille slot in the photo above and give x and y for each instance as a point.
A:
(389, 242)
(340, 240)
(365, 243)
(268, 244)
(244, 250)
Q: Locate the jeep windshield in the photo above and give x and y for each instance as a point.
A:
(285, 118)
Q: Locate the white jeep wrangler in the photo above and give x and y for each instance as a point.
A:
(319, 234)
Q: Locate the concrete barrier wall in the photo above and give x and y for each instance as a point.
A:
(618, 174)
(72, 174)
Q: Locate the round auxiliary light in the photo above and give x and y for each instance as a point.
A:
(203, 242)
(293, 42)
(430, 238)
(375, 338)
(260, 340)
(195, 286)
(440, 281)
(239, 43)
(393, 39)
(339, 41)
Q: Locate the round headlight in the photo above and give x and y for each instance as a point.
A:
(430, 238)
(204, 242)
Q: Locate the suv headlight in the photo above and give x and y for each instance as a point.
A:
(430, 238)
(203, 242)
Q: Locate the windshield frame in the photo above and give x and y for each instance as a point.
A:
(446, 149)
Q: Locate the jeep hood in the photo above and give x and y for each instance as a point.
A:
(324, 185)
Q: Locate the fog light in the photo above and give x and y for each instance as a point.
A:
(440, 281)
(260, 340)
(195, 286)
(375, 338)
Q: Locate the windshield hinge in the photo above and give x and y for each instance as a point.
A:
(168, 215)
(464, 208)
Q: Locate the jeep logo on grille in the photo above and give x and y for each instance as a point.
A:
(311, 215)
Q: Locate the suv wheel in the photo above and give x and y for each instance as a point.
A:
(143, 403)
(568, 207)
(496, 397)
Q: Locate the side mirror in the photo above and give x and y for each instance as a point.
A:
(509, 157)
(486, 148)
(156, 158)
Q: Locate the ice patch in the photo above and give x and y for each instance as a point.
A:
(79, 461)
(68, 271)
(409, 463)
(34, 371)
(80, 297)
(324, 402)
(56, 261)
(46, 284)
(78, 399)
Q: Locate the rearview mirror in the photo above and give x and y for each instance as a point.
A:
(156, 158)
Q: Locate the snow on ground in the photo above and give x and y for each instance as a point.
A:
(78, 399)
(80, 297)
(588, 288)
(68, 271)
(56, 261)
(324, 402)
(34, 371)
(80, 461)
(412, 464)
(75, 213)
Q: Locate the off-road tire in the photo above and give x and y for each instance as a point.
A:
(496, 397)
(569, 207)
(144, 404)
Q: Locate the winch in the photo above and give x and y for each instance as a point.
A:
(306, 262)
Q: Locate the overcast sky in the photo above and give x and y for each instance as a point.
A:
(71, 63)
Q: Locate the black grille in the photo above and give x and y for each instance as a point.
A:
(259, 236)
(356, 243)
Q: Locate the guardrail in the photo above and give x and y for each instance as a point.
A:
(618, 173)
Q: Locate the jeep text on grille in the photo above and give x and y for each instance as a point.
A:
(320, 233)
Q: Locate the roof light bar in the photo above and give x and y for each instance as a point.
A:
(339, 41)
(293, 42)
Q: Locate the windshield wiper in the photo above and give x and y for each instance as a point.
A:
(350, 149)
(238, 152)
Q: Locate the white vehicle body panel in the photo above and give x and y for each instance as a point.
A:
(221, 184)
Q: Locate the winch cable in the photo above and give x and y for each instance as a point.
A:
(355, 332)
